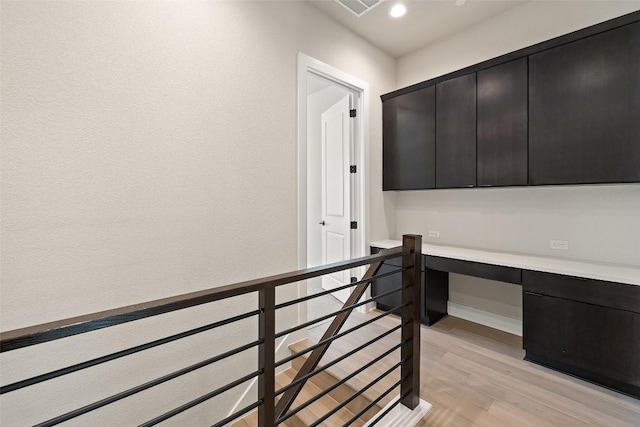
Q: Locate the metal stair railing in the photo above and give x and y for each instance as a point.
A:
(270, 412)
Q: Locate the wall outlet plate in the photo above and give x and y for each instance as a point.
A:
(434, 233)
(562, 245)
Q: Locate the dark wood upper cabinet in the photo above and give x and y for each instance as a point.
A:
(456, 132)
(564, 111)
(502, 124)
(584, 110)
(409, 141)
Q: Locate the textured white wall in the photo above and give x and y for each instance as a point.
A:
(149, 149)
(602, 223)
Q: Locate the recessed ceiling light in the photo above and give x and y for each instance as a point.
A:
(398, 10)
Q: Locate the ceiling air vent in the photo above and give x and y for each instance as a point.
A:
(359, 7)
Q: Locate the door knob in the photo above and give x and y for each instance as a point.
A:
(322, 223)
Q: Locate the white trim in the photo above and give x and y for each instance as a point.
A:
(492, 320)
(401, 416)
(307, 64)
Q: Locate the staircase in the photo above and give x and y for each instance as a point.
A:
(327, 378)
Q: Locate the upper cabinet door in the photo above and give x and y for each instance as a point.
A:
(456, 132)
(584, 110)
(408, 158)
(502, 124)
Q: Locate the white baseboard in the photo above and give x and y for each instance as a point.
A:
(492, 320)
(401, 416)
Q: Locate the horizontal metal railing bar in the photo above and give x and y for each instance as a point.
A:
(338, 360)
(238, 414)
(24, 337)
(339, 288)
(201, 399)
(398, 365)
(348, 308)
(359, 393)
(97, 361)
(379, 417)
(147, 385)
(340, 335)
(324, 392)
(372, 404)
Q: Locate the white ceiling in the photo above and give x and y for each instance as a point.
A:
(425, 22)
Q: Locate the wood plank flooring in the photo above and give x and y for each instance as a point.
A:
(475, 376)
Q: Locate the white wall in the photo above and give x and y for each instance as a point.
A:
(149, 149)
(602, 223)
(317, 104)
(532, 22)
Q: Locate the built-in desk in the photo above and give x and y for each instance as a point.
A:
(582, 318)
(590, 270)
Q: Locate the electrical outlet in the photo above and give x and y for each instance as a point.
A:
(562, 245)
(434, 233)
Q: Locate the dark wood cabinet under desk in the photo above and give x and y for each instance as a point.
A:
(584, 327)
(435, 290)
(587, 328)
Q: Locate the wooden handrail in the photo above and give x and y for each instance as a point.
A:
(25, 337)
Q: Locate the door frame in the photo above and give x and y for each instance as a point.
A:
(307, 65)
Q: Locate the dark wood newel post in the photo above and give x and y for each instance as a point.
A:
(266, 356)
(411, 293)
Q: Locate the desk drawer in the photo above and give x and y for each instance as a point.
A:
(477, 269)
(590, 291)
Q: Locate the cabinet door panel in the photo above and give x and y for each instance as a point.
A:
(584, 110)
(456, 132)
(502, 124)
(408, 161)
(387, 284)
(392, 282)
(596, 343)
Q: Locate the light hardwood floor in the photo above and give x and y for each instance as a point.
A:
(475, 376)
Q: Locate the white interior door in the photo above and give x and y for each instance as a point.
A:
(336, 198)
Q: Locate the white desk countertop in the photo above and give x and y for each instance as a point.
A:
(591, 270)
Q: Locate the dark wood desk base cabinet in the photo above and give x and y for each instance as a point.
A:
(583, 327)
(586, 328)
(433, 306)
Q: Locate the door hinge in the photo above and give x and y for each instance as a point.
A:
(354, 225)
(352, 113)
(353, 169)
(354, 279)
